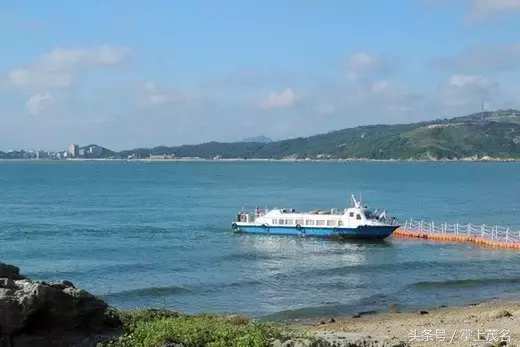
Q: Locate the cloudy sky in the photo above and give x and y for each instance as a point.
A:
(127, 73)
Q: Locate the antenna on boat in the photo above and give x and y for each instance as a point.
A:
(356, 203)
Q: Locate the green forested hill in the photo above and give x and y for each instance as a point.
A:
(495, 134)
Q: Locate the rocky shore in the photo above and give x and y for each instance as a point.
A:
(37, 313)
(57, 314)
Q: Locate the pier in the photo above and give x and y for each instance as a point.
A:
(485, 235)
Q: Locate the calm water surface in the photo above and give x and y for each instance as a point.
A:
(158, 234)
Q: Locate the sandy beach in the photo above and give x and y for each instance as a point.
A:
(496, 321)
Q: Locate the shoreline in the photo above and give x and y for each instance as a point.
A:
(454, 325)
(228, 160)
(75, 315)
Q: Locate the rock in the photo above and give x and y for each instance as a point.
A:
(343, 339)
(300, 343)
(332, 320)
(423, 312)
(393, 308)
(497, 344)
(237, 319)
(170, 343)
(32, 312)
(497, 314)
(30, 340)
(10, 271)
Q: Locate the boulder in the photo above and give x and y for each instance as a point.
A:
(497, 314)
(28, 308)
(10, 271)
(344, 339)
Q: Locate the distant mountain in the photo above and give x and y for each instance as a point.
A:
(493, 134)
(487, 134)
(258, 139)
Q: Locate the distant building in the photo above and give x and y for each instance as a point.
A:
(81, 152)
(74, 150)
(41, 154)
(95, 150)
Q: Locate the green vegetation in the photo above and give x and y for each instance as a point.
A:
(494, 134)
(152, 328)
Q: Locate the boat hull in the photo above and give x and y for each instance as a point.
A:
(363, 232)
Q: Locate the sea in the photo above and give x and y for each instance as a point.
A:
(158, 234)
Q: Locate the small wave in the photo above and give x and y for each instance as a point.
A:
(198, 289)
(34, 229)
(369, 305)
(104, 268)
(250, 256)
(337, 285)
(370, 268)
(478, 282)
(148, 292)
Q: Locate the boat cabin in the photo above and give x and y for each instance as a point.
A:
(349, 218)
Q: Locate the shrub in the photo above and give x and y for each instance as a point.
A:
(156, 327)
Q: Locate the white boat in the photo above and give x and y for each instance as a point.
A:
(355, 222)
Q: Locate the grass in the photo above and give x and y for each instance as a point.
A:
(153, 328)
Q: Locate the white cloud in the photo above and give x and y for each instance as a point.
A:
(484, 57)
(38, 102)
(465, 80)
(242, 78)
(150, 86)
(27, 79)
(363, 61)
(155, 95)
(466, 90)
(56, 69)
(484, 9)
(277, 100)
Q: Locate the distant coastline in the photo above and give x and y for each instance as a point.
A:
(481, 137)
(345, 160)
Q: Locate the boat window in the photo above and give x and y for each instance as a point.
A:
(309, 222)
(289, 221)
(331, 223)
(299, 221)
(340, 223)
(320, 222)
(369, 214)
(358, 216)
(274, 221)
(351, 214)
(280, 221)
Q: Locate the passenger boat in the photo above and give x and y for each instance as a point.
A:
(356, 222)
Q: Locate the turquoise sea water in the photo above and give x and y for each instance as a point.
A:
(158, 234)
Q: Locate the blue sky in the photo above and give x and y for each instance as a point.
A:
(134, 73)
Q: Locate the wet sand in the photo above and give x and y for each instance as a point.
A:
(495, 320)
